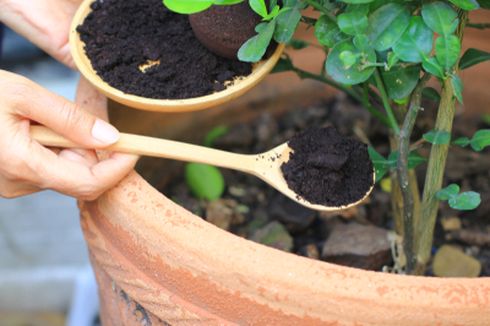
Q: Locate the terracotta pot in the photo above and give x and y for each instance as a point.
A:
(158, 264)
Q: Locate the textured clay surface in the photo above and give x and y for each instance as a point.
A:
(141, 48)
(327, 168)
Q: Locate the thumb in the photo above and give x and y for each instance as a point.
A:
(69, 120)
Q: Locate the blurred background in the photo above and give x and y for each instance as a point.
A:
(45, 274)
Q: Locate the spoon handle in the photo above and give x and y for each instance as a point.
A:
(157, 147)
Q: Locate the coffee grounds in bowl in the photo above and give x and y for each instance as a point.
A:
(122, 38)
(327, 168)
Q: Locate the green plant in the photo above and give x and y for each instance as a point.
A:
(382, 54)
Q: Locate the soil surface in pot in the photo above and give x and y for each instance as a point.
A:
(327, 168)
(141, 48)
(360, 236)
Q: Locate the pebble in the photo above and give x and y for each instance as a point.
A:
(274, 235)
(450, 261)
(451, 223)
(356, 245)
(224, 213)
(294, 216)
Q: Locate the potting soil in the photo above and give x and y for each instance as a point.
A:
(141, 48)
(327, 168)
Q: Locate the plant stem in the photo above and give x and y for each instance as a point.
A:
(322, 9)
(403, 173)
(435, 168)
(386, 103)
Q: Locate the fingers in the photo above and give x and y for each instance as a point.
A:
(78, 174)
(64, 117)
(9, 189)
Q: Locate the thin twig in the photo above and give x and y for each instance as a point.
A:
(386, 103)
(478, 25)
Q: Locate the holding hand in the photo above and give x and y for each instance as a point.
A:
(27, 167)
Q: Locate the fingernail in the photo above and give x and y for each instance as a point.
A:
(104, 132)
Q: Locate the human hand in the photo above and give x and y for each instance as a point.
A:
(27, 167)
(45, 23)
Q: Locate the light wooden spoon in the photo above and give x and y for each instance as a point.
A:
(266, 166)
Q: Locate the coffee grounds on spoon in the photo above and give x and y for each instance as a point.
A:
(327, 168)
(122, 36)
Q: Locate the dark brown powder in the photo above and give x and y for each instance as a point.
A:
(327, 168)
(122, 36)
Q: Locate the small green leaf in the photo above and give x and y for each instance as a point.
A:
(401, 81)
(465, 201)
(381, 165)
(473, 57)
(448, 192)
(432, 66)
(416, 42)
(480, 140)
(431, 93)
(187, 6)
(284, 64)
(258, 6)
(414, 159)
(205, 181)
(327, 32)
(350, 75)
(214, 134)
(457, 87)
(440, 17)
(387, 24)
(437, 137)
(462, 141)
(466, 4)
(254, 49)
(353, 23)
(286, 23)
(447, 51)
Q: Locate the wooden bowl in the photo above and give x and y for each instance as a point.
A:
(239, 87)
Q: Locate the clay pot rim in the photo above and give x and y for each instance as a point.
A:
(239, 87)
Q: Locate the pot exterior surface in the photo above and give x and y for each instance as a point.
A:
(173, 267)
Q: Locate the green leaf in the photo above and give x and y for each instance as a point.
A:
(480, 140)
(416, 42)
(473, 57)
(466, 4)
(432, 66)
(381, 165)
(457, 87)
(414, 159)
(214, 134)
(400, 81)
(465, 201)
(297, 44)
(440, 17)
(462, 141)
(258, 6)
(448, 192)
(284, 64)
(485, 4)
(187, 6)
(254, 49)
(387, 24)
(431, 94)
(286, 23)
(437, 137)
(327, 32)
(353, 23)
(205, 181)
(354, 74)
(447, 51)
(355, 2)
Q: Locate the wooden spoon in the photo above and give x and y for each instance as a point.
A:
(266, 166)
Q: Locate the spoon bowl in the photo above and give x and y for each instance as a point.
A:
(238, 88)
(266, 166)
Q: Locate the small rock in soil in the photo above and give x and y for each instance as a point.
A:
(357, 245)
(274, 235)
(294, 216)
(327, 168)
(310, 251)
(450, 261)
(224, 213)
(451, 223)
